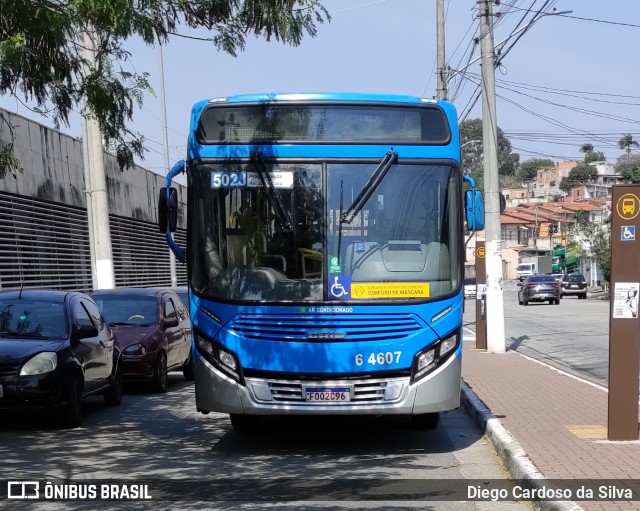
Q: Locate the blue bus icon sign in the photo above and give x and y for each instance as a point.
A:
(628, 233)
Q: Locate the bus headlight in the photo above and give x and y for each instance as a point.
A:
(448, 344)
(220, 357)
(430, 358)
(423, 363)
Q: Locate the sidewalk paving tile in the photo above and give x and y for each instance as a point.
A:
(560, 421)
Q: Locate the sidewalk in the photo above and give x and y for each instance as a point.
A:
(547, 424)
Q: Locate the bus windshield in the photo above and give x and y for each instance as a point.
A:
(278, 232)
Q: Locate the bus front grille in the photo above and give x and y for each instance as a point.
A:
(321, 328)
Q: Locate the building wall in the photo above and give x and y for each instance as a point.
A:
(44, 238)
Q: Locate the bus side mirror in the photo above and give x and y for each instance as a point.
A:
(474, 209)
(167, 210)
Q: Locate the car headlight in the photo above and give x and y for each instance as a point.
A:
(220, 357)
(430, 358)
(42, 363)
(134, 349)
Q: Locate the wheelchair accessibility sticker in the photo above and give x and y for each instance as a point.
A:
(340, 287)
(628, 233)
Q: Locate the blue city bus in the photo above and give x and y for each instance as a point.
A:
(325, 255)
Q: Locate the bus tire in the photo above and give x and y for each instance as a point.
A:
(425, 420)
(243, 422)
(187, 368)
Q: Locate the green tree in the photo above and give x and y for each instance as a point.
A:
(595, 242)
(586, 148)
(629, 168)
(579, 175)
(594, 156)
(590, 154)
(528, 169)
(473, 154)
(626, 143)
(42, 54)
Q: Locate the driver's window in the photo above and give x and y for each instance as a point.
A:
(169, 310)
(82, 317)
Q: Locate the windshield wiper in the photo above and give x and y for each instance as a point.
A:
(274, 199)
(370, 186)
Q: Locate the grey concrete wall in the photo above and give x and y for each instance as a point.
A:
(54, 171)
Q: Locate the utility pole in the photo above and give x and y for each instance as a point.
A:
(104, 274)
(493, 244)
(87, 190)
(172, 257)
(441, 91)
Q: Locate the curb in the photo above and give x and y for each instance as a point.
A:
(511, 454)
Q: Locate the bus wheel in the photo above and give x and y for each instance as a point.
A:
(425, 421)
(242, 422)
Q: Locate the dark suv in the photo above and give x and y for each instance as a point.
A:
(574, 284)
(55, 348)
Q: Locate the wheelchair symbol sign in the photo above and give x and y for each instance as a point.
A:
(340, 287)
(628, 233)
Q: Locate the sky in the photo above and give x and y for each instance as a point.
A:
(569, 79)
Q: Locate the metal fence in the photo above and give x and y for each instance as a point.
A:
(46, 244)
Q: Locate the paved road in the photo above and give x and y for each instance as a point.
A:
(153, 437)
(573, 336)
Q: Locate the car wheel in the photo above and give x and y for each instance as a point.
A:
(72, 412)
(242, 422)
(113, 396)
(159, 382)
(524, 302)
(187, 368)
(558, 301)
(425, 420)
(552, 301)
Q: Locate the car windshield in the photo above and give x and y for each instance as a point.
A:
(523, 267)
(128, 310)
(32, 319)
(574, 278)
(469, 282)
(542, 279)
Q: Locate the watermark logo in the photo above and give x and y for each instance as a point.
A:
(23, 490)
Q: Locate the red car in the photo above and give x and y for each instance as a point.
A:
(153, 332)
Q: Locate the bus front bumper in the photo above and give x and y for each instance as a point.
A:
(438, 391)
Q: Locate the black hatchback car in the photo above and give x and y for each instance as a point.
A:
(55, 348)
(539, 288)
(574, 284)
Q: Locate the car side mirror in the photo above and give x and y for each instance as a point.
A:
(171, 323)
(80, 332)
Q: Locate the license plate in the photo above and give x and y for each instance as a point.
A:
(575, 286)
(327, 394)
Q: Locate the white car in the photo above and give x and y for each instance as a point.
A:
(470, 287)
